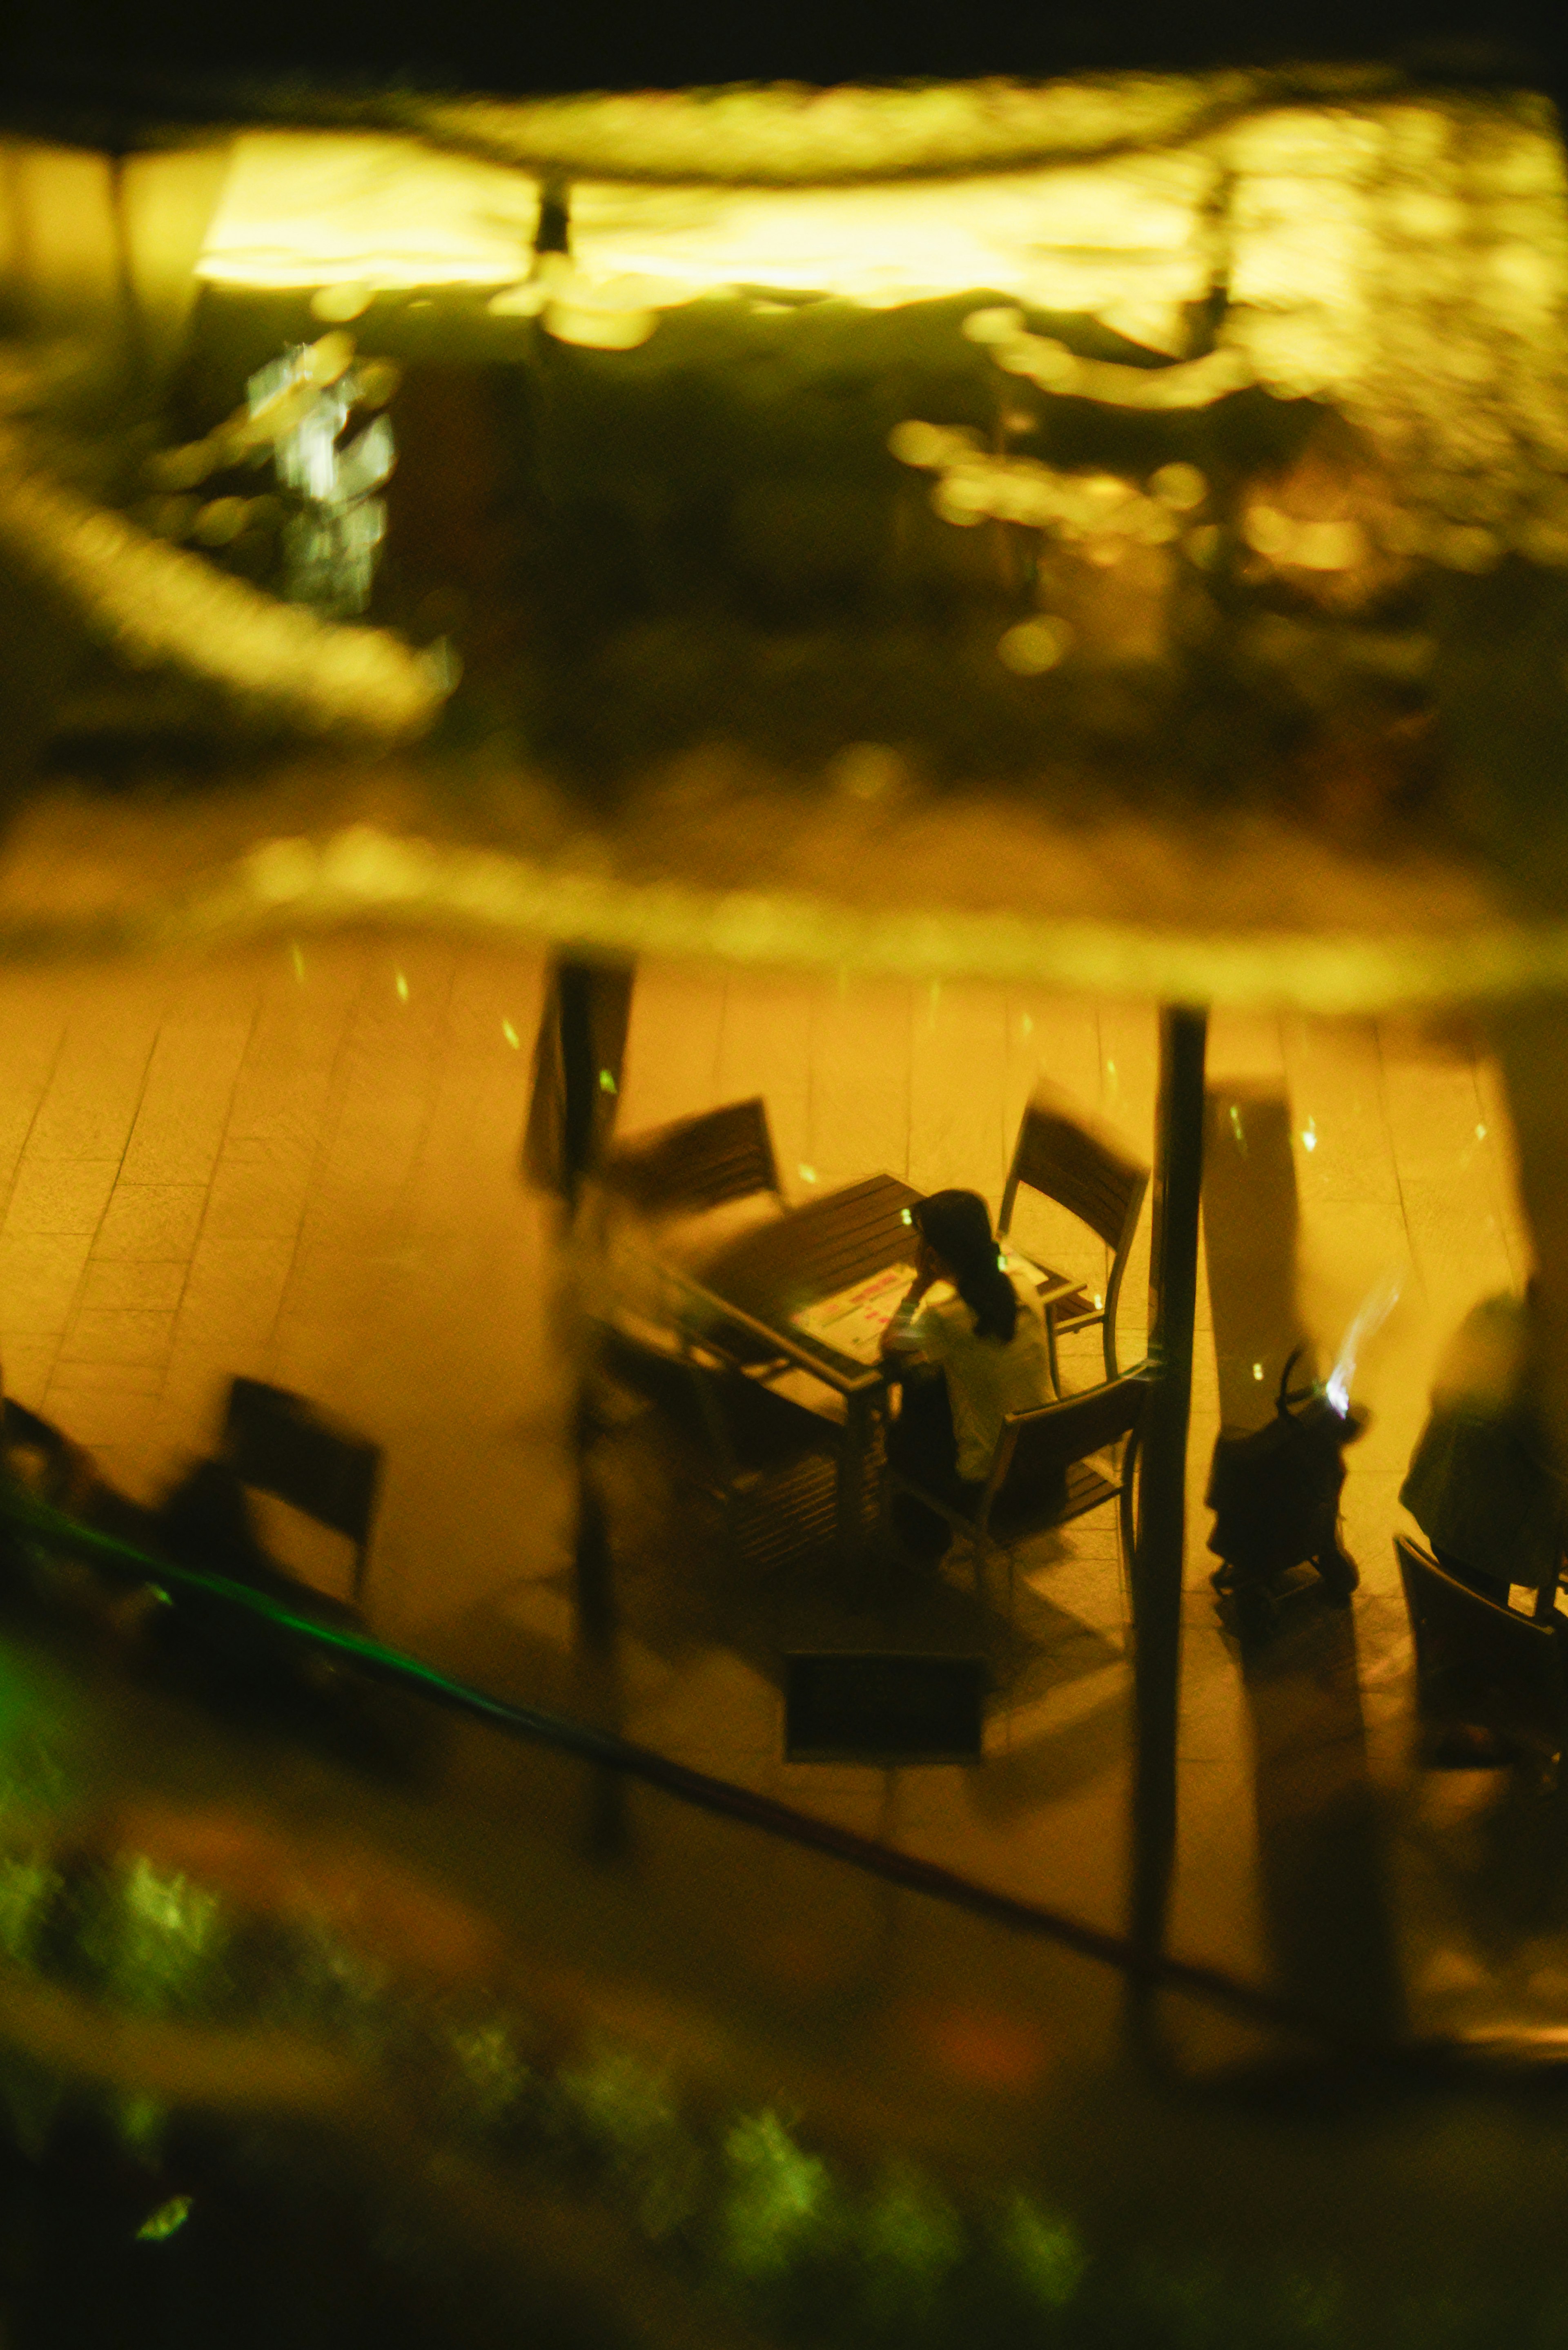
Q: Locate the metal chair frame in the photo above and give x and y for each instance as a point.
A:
(697, 1163)
(1061, 1159)
(1507, 1670)
(718, 1381)
(282, 1444)
(1033, 1446)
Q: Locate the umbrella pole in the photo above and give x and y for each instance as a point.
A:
(1156, 1563)
(591, 1007)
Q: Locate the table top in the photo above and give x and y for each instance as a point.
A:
(811, 1253)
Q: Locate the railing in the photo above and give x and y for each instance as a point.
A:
(1161, 1970)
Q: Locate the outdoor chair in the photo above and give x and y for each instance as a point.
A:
(1090, 1179)
(678, 1180)
(274, 1443)
(697, 1164)
(771, 1463)
(1483, 1664)
(279, 1443)
(1042, 1472)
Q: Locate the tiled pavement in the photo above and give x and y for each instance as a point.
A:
(300, 1162)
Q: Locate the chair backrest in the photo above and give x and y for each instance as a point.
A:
(282, 1445)
(698, 1162)
(1479, 1658)
(1081, 1171)
(1037, 1448)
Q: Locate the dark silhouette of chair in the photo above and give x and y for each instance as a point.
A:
(683, 1172)
(769, 1462)
(61, 1472)
(279, 1443)
(1482, 1663)
(1090, 1179)
(773, 1464)
(1042, 1472)
(697, 1163)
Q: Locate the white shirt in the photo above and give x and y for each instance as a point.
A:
(986, 1380)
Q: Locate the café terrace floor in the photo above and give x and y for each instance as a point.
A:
(301, 1162)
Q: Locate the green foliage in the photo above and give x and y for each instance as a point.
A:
(155, 1940)
(909, 2240)
(626, 2113)
(28, 1890)
(780, 2206)
(1043, 2252)
(166, 2222)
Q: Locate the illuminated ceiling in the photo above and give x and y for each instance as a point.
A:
(303, 209)
(1404, 254)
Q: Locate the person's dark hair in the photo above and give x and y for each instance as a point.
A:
(958, 1226)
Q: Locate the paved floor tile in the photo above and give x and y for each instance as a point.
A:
(96, 1085)
(117, 1334)
(60, 1195)
(26, 1361)
(40, 1275)
(110, 1281)
(185, 1102)
(156, 1222)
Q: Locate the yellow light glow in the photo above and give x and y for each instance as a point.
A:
(1073, 240)
(1333, 227)
(1194, 383)
(1404, 258)
(973, 485)
(1181, 487)
(339, 304)
(1033, 647)
(156, 603)
(599, 329)
(346, 214)
(350, 210)
(788, 134)
(604, 314)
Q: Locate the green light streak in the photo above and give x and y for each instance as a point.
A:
(166, 2222)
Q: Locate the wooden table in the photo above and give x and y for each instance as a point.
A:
(765, 1278)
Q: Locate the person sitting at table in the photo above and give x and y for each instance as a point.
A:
(1481, 1483)
(983, 1354)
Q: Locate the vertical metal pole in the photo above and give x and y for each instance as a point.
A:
(574, 987)
(1162, 1484)
(580, 1091)
(578, 988)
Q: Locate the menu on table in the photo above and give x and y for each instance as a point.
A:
(853, 1321)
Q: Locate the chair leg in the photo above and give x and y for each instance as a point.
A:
(1051, 1350)
(984, 1553)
